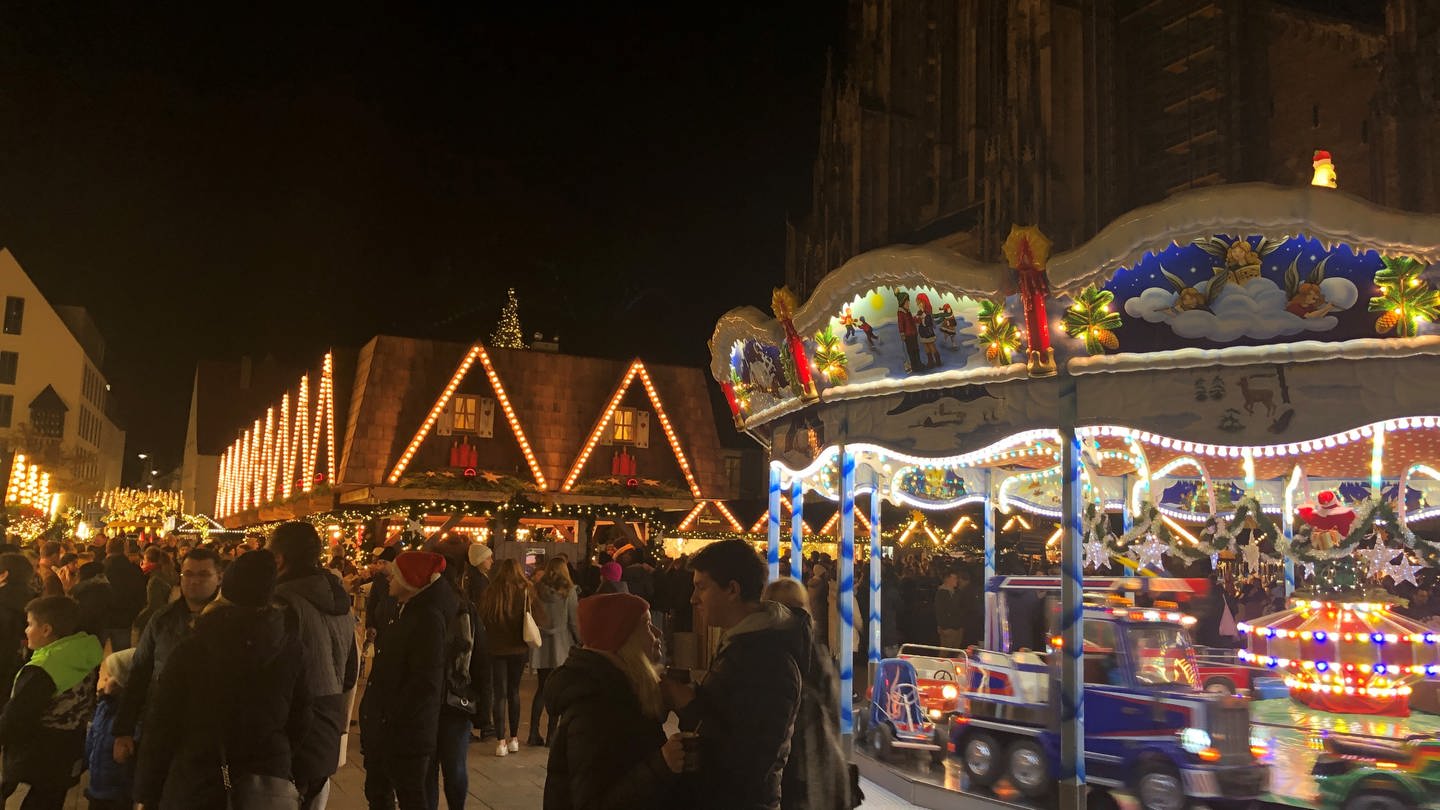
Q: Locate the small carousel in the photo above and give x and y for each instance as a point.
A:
(1237, 382)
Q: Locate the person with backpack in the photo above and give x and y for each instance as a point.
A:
(319, 608)
(232, 707)
(812, 779)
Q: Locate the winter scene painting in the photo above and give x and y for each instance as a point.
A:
(892, 333)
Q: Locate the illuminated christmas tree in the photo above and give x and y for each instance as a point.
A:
(507, 334)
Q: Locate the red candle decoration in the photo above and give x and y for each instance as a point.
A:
(1028, 250)
(734, 402)
(783, 303)
(1347, 657)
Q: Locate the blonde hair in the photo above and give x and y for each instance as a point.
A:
(643, 674)
(788, 592)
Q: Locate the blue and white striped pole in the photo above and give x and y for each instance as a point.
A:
(797, 530)
(987, 526)
(1072, 611)
(876, 554)
(1287, 525)
(847, 588)
(772, 529)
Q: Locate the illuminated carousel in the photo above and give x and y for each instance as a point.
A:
(1238, 381)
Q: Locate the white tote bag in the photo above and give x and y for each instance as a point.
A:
(531, 631)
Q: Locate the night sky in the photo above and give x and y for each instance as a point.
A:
(212, 185)
(212, 181)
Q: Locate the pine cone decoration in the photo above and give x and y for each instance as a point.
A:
(1386, 322)
(1107, 339)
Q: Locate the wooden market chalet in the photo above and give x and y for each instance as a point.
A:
(561, 452)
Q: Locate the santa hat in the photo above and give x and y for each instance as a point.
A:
(417, 569)
(1329, 503)
(1322, 158)
(608, 620)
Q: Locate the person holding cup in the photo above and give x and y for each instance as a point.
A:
(610, 748)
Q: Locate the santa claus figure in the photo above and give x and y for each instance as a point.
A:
(1329, 520)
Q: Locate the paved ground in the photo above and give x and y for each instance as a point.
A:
(514, 782)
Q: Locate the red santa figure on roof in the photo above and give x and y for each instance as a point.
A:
(1329, 520)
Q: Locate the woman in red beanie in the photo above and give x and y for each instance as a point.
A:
(610, 748)
(502, 609)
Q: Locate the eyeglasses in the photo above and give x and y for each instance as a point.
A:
(197, 575)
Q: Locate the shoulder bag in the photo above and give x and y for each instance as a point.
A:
(530, 631)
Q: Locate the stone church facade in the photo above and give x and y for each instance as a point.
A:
(949, 120)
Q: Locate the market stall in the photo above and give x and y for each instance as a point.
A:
(1239, 376)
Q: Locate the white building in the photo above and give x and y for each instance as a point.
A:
(54, 400)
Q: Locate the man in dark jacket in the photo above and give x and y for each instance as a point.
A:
(128, 583)
(400, 713)
(453, 738)
(949, 612)
(745, 709)
(199, 582)
(477, 579)
(15, 593)
(321, 610)
(96, 598)
(233, 693)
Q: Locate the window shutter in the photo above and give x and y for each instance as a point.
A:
(444, 425)
(485, 420)
(607, 432)
(642, 428)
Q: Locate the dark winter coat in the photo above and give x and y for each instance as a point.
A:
(128, 583)
(321, 610)
(745, 711)
(640, 580)
(43, 726)
(14, 596)
(400, 712)
(949, 612)
(109, 780)
(816, 775)
(506, 635)
(476, 581)
(162, 635)
(97, 602)
(459, 650)
(238, 681)
(606, 752)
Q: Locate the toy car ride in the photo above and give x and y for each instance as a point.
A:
(1357, 773)
(1149, 728)
(894, 718)
(939, 671)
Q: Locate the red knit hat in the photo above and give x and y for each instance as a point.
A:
(417, 568)
(608, 620)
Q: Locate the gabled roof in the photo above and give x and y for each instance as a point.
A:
(48, 400)
(556, 398)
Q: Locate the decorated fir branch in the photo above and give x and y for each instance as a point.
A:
(1091, 319)
(1405, 298)
(996, 334)
(830, 356)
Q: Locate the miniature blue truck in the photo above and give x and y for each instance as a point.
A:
(1150, 729)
